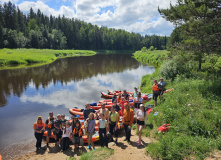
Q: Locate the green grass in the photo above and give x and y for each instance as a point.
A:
(98, 154)
(193, 109)
(17, 58)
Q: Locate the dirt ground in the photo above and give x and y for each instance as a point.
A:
(123, 151)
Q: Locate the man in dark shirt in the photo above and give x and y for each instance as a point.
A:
(116, 107)
(49, 125)
(125, 95)
(57, 132)
(87, 111)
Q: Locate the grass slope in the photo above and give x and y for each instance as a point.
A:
(193, 110)
(24, 57)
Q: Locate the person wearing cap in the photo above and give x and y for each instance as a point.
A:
(135, 92)
(141, 116)
(49, 126)
(39, 128)
(103, 110)
(125, 95)
(161, 85)
(128, 118)
(87, 111)
(138, 100)
(155, 89)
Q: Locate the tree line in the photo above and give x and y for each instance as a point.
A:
(36, 30)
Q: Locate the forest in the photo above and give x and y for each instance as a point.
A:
(36, 30)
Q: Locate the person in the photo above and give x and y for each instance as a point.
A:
(66, 136)
(116, 107)
(119, 98)
(155, 89)
(128, 118)
(39, 128)
(135, 92)
(63, 122)
(161, 85)
(113, 119)
(114, 98)
(77, 134)
(103, 110)
(87, 111)
(141, 121)
(90, 131)
(74, 121)
(121, 105)
(103, 130)
(125, 95)
(57, 132)
(49, 126)
(138, 100)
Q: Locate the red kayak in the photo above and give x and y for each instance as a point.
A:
(168, 90)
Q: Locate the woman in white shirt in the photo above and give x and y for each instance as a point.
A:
(67, 132)
(141, 121)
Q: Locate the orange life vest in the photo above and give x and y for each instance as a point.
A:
(80, 133)
(50, 124)
(155, 88)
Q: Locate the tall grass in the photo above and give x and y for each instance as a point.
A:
(98, 154)
(30, 56)
(193, 110)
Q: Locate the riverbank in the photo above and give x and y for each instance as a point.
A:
(130, 151)
(23, 58)
(192, 109)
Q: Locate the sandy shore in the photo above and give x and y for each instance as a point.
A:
(123, 151)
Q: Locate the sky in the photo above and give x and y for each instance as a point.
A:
(139, 16)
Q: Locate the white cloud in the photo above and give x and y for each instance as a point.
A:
(123, 14)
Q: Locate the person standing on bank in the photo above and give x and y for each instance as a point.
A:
(128, 118)
(49, 126)
(87, 111)
(113, 119)
(58, 133)
(155, 89)
(161, 87)
(39, 128)
(67, 133)
(135, 92)
(103, 130)
(91, 126)
(141, 121)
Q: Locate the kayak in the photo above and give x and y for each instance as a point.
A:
(168, 90)
(116, 92)
(164, 128)
(105, 100)
(80, 114)
(149, 110)
(110, 96)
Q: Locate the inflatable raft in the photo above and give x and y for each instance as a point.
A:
(164, 128)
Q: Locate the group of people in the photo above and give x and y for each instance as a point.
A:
(158, 89)
(108, 121)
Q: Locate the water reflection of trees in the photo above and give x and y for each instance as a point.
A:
(63, 70)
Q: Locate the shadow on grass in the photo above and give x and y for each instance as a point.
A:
(71, 152)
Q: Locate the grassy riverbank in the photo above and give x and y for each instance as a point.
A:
(192, 109)
(19, 58)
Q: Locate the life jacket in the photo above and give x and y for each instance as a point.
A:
(118, 100)
(80, 133)
(155, 88)
(50, 124)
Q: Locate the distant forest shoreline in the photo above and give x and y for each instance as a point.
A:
(39, 31)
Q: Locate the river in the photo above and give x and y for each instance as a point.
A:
(28, 93)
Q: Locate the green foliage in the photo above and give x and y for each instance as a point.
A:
(28, 56)
(98, 154)
(152, 48)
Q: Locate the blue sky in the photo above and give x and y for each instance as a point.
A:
(140, 16)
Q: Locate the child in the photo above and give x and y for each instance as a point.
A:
(90, 130)
(103, 130)
(77, 133)
(65, 137)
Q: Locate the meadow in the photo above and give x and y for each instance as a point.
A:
(17, 58)
(192, 109)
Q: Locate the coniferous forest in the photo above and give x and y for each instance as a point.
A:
(36, 30)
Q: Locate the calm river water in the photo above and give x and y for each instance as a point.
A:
(28, 93)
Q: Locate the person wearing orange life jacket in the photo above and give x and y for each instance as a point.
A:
(128, 118)
(119, 98)
(155, 89)
(77, 134)
(39, 128)
(49, 126)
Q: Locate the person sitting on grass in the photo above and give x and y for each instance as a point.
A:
(77, 134)
(39, 128)
(141, 121)
(90, 131)
(113, 119)
(66, 136)
(103, 130)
